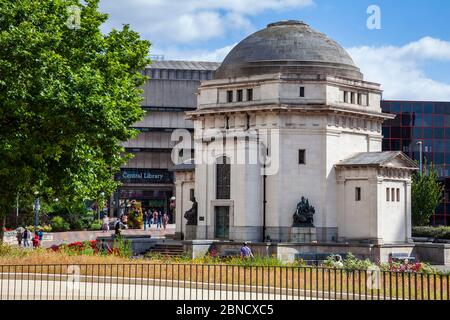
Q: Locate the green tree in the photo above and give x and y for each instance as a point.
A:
(426, 195)
(68, 96)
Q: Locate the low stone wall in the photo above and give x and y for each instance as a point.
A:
(287, 251)
(10, 237)
(435, 253)
(139, 243)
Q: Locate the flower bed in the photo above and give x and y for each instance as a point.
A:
(92, 247)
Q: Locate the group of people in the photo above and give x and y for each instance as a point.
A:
(155, 217)
(24, 235)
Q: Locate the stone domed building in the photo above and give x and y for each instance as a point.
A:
(289, 115)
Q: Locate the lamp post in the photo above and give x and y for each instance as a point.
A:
(420, 144)
(37, 207)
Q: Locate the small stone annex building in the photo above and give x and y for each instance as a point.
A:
(287, 116)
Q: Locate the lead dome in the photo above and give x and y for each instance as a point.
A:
(288, 47)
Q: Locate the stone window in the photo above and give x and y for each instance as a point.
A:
(301, 156)
(229, 96)
(302, 92)
(393, 194)
(249, 94)
(352, 98)
(240, 95)
(357, 194)
(223, 177)
(360, 99)
(398, 195)
(388, 192)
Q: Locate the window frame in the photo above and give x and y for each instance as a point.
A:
(302, 156)
(230, 96)
(302, 92)
(358, 192)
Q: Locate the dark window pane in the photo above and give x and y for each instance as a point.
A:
(427, 120)
(386, 145)
(439, 158)
(438, 121)
(385, 106)
(417, 107)
(439, 145)
(301, 157)
(249, 94)
(406, 133)
(428, 133)
(396, 107)
(239, 95)
(395, 132)
(447, 121)
(447, 158)
(417, 132)
(428, 108)
(407, 107)
(386, 131)
(447, 133)
(439, 133)
(395, 145)
(418, 119)
(439, 108)
(223, 174)
(447, 145)
(407, 119)
(229, 96)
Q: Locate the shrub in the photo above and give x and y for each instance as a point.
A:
(96, 225)
(59, 224)
(442, 232)
(45, 228)
(350, 263)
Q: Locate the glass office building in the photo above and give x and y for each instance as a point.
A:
(428, 122)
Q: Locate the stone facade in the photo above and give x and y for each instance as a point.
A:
(283, 134)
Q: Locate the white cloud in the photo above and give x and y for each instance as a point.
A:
(186, 21)
(401, 69)
(175, 53)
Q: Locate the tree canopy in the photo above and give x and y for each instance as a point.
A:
(68, 97)
(426, 195)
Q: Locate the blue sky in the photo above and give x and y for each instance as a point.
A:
(409, 55)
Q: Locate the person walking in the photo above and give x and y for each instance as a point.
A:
(19, 235)
(105, 223)
(117, 227)
(35, 240)
(155, 217)
(246, 252)
(159, 225)
(165, 220)
(145, 220)
(40, 234)
(26, 238)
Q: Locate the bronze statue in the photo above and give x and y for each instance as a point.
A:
(191, 214)
(304, 215)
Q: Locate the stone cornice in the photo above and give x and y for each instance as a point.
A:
(309, 109)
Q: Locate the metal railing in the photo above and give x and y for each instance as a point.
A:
(168, 281)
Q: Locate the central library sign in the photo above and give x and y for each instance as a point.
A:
(144, 176)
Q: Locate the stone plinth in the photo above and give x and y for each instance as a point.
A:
(191, 232)
(302, 234)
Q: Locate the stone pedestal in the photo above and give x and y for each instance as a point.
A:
(303, 234)
(191, 232)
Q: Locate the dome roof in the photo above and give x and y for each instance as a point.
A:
(288, 46)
